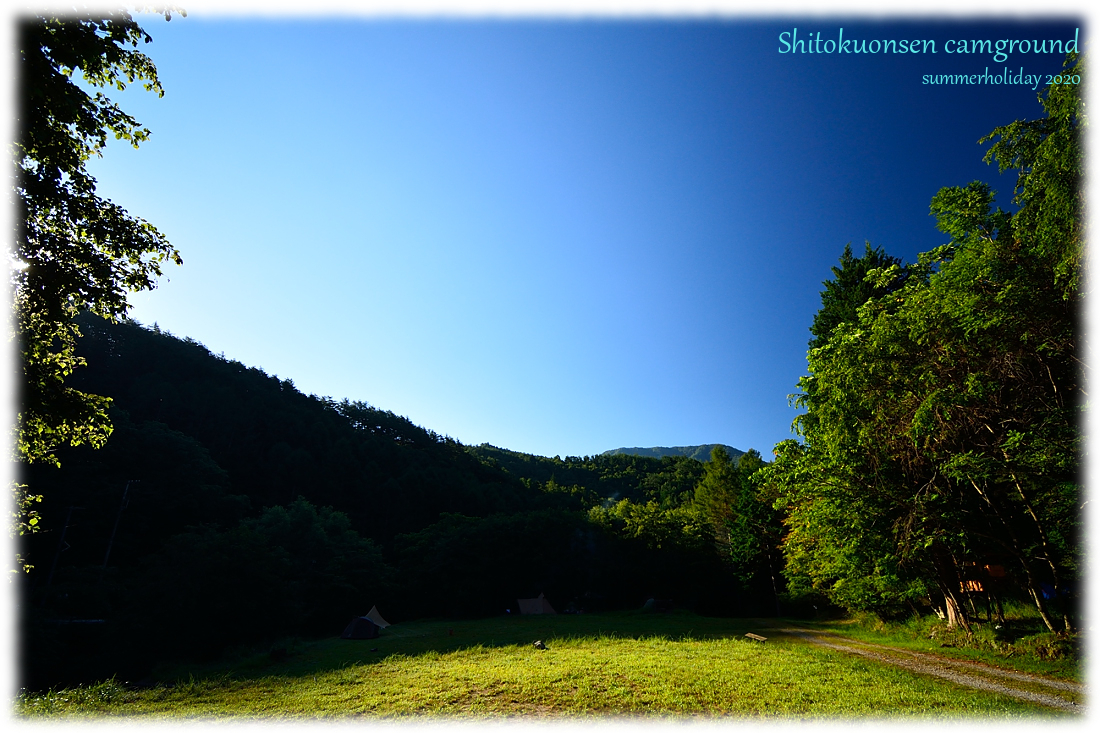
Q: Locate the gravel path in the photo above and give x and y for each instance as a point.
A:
(963, 673)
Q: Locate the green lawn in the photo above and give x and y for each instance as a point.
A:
(674, 664)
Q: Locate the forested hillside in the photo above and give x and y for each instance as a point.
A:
(232, 508)
(668, 480)
(276, 444)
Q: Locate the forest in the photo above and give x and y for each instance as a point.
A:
(233, 509)
(173, 504)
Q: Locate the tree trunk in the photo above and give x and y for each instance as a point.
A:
(1037, 595)
(1067, 625)
(1032, 585)
(771, 571)
(950, 585)
(956, 615)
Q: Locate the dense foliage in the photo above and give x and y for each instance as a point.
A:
(941, 441)
(75, 250)
(232, 509)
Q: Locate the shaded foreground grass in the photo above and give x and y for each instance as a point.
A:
(610, 664)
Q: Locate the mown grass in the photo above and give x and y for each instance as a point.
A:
(608, 665)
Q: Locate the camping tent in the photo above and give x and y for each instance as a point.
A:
(360, 628)
(535, 605)
(376, 617)
(654, 604)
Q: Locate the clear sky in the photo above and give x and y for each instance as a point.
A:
(555, 236)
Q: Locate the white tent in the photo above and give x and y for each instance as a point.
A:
(535, 605)
(376, 617)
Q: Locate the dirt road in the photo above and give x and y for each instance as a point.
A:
(1058, 694)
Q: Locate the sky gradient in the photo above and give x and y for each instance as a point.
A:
(558, 237)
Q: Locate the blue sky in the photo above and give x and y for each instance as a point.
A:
(554, 236)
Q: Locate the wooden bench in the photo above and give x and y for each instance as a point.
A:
(756, 637)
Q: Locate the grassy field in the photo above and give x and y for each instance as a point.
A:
(627, 664)
(1023, 644)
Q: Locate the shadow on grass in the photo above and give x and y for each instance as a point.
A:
(415, 638)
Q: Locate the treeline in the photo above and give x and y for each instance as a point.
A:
(227, 508)
(669, 481)
(940, 454)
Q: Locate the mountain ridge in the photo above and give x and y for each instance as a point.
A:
(698, 452)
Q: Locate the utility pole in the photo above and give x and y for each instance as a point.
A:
(61, 547)
(118, 518)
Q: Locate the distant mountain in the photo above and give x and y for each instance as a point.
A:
(698, 452)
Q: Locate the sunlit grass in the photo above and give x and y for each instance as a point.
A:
(1024, 645)
(632, 665)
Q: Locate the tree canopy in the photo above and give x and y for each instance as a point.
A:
(941, 430)
(75, 251)
(849, 289)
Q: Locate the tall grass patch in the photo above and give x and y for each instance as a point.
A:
(1021, 643)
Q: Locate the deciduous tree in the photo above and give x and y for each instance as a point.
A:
(75, 251)
(941, 427)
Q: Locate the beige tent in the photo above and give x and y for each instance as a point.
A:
(535, 605)
(376, 617)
